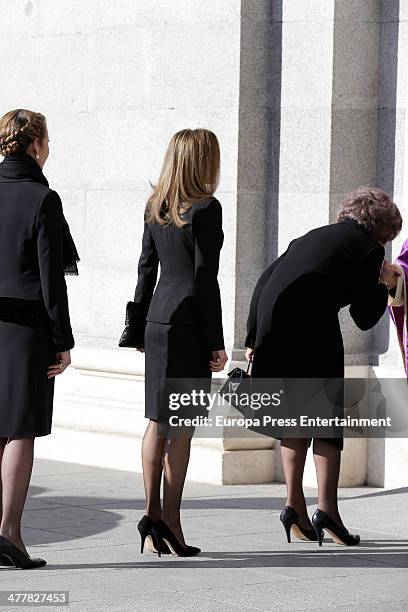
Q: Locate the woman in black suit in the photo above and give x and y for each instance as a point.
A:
(293, 331)
(178, 325)
(35, 332)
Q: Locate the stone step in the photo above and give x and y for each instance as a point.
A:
(99, 420)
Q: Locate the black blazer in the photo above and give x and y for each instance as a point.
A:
(347, 261)
(31, 244)
(187, 292)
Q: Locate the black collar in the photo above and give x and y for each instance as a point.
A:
(21, 167)
(353, 222)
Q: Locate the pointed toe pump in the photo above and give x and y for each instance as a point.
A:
(165, 537)
(290, 521)
(145, 527)
(12, 556)
(339, 534)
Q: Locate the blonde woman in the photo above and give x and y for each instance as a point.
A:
(178, 325)
(36, 249)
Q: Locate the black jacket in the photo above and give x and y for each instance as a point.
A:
(31, 244)
(187, 292)
(342, 262)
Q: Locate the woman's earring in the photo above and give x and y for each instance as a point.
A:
(37, 157)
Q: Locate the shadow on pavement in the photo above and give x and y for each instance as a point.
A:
(399, 491)
(63, 518)
(331, 557)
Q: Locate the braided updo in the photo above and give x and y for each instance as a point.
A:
(18, 129)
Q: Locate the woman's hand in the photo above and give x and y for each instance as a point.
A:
(140, 350)
(218, 361)
(249, 354)
(62, 361)
(389, 274)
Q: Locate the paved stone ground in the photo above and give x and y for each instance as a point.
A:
(83, 521)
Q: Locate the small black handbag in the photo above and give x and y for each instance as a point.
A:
(236, 383)
(133, 334)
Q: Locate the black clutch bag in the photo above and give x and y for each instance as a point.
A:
(133, 334)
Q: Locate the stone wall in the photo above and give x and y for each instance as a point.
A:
(116, 79)
(308, 98)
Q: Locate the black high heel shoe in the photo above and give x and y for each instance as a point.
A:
(340, 535)
(145, 527)
(164, 536)
(15, 557)
(290, 520)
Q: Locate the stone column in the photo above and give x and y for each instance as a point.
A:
(388, 459)
(354, 134)
(258, 152)
(284, 143)
(330, 119)
(284, 138)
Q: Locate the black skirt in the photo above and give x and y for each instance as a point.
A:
(305, 342)
(26, 394)
(173, 352)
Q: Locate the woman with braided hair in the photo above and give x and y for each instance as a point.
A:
(36, 249)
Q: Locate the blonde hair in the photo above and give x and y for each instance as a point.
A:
(190, 173)
(18, 129)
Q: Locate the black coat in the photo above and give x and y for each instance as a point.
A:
(31, 244)
(293, 319)
(187, 292)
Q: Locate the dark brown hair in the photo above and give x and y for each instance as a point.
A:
(374, 209)
(18, 129)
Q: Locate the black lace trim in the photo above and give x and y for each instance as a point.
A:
(71, 269)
